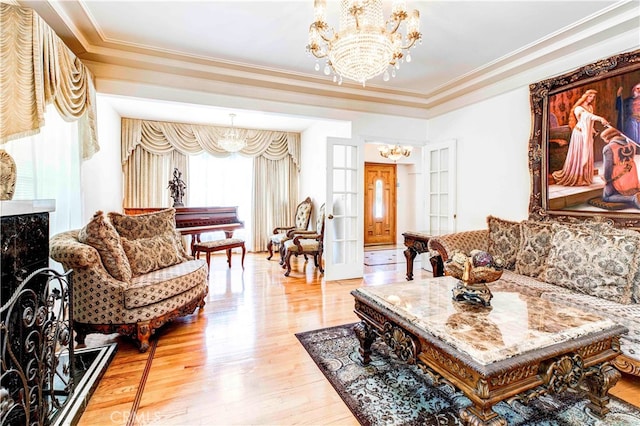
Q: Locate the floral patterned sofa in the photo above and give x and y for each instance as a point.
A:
(131, 274)
(588, 265)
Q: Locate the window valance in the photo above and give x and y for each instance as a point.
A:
(37, 69)
(159, 137)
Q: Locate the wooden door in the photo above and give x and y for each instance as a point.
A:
(379, 204)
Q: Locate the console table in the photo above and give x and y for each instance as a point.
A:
(520, 347)
(416, 243)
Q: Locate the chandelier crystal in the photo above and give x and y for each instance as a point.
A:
(365, 46)
(232, 141)
(395, 152)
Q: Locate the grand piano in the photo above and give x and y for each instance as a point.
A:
(195, 221)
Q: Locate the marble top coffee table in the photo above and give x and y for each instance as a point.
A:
(521, 346)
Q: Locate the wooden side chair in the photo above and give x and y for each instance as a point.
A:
(300, 223)
(306, 243)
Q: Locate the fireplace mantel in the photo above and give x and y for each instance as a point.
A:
(20, 207)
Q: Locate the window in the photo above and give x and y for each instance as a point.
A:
(379, 204)
(224, 181)
(48, 167)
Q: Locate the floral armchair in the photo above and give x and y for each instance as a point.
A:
(300, 223)
(130, 276)
(305, 243)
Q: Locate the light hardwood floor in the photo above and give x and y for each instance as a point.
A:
(238, 361)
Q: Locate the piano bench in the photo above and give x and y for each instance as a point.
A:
(226, 244)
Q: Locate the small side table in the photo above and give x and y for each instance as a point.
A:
(416, 243)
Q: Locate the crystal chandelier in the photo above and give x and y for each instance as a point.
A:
(232, 141)
(366, 45)
(395, 152)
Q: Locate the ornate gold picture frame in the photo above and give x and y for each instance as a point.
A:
(584, 151)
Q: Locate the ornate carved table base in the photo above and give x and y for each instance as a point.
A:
(556, 375)
(574, 360)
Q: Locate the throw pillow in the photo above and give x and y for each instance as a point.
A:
(150, 254)
(600, 262)
(148, 225)
(535, 243)
(144, 225)
(504, 240)
(101, 235)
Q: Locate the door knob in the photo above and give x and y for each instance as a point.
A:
(330, 216)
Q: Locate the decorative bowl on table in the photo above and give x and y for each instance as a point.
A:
(474, 272)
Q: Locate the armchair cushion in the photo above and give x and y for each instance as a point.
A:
(277, 238)
(504, 240)
(150, 254)
(598, 261)
(307, 245)
(101, 235)
(163, 284)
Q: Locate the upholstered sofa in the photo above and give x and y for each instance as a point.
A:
(588, 265)
(131, 274)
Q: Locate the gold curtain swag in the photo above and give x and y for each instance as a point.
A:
(160, 137)
(38, 69)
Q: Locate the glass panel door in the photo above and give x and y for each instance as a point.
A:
(344, 246)
(441, 186)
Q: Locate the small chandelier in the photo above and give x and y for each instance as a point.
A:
(232, 141)
(366, 45)
(395, 152)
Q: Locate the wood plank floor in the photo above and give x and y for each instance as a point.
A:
(238, 361)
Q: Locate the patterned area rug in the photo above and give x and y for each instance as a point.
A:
(383, 257)
(388, 392)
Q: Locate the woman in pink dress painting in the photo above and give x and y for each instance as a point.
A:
(578, 166)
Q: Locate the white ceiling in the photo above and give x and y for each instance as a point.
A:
(263, 42)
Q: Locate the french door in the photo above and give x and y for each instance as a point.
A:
(440, 162)
(343, 236)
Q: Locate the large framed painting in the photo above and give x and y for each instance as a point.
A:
(584, 151)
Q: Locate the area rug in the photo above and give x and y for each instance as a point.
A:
(388, 392)
(382, 257)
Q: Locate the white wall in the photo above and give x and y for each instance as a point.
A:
(101, 176)
(314, 164)
(492, 146)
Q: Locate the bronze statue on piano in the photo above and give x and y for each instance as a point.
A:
(177, 187)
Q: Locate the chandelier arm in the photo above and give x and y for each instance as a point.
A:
(355, 11)
(313, 52)
(411, 43)
(396, 24)
(328, 39)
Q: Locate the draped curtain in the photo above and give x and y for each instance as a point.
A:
(38, 69)
(151, 149)
(275, 203)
